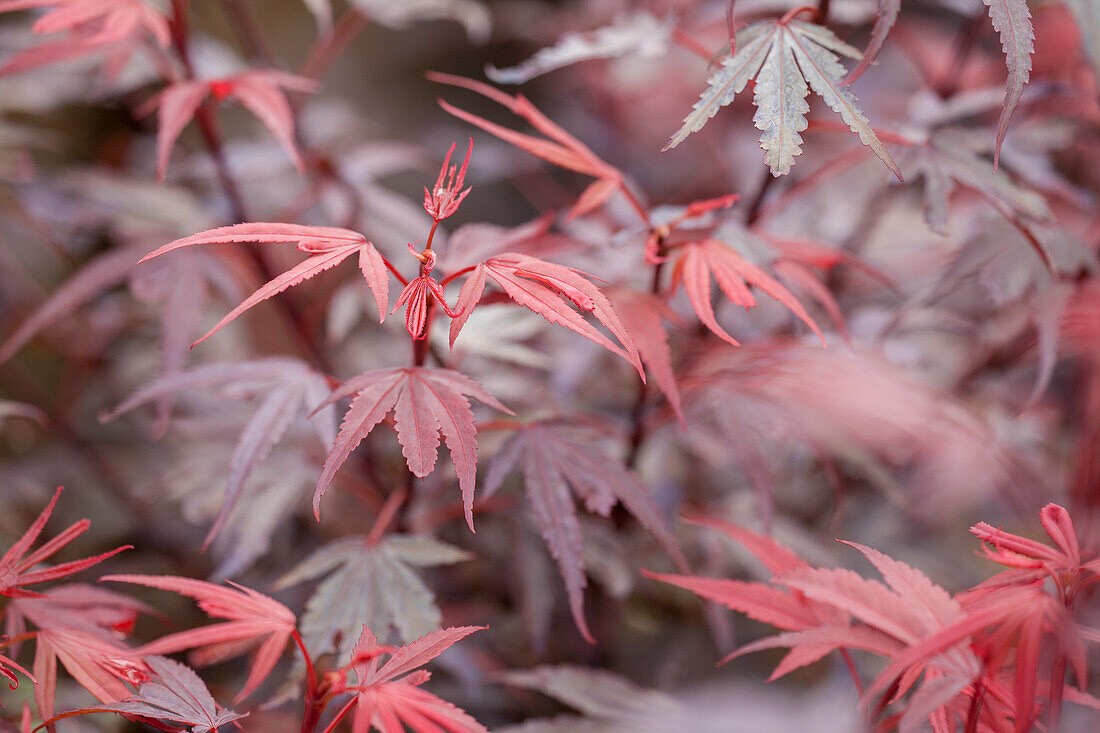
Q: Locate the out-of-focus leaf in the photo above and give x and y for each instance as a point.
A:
(607, 701)
(374, 584)
(259, 91)
(1087, 15)
(288, 390)
(558, 461)
(887, 15)
(638, 34)
(471, 14)
(643, 316)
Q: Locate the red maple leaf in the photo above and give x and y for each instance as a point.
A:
(253, 618)
(425, 403)
(389, 697)
(259, 91)
(544, 287)
(699, 261)
(118, 26)
(16, 564)
(561, 149)
(327, 247)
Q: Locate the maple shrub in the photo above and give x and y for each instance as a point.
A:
(686, 395)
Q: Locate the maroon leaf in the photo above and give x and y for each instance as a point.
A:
(557, 458)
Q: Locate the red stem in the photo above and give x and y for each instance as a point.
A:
(386, 515)
(851, 665)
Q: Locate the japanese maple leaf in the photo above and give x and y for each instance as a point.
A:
(375, 581)
(327, 247)
(698, 261)
(643, 316)
(1063, 563)
(16, 565)
(253, 619)
(7, 664)
(102, 666)
(260, 91)
(181, 285)
(557, 461)
(425, 403)
(388, 697)
(114, 25)
(1012, 20)
(544, 287)
(287, 389)
(174, 695)
(825, 609)
(561, 149)
(783, 608)
(77, 607)
(787, 58)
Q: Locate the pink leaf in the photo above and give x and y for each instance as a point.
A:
(327, 247)
(252, 617)
(540, 287)
(425, 403)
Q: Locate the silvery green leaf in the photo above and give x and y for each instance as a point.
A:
(369, 584)
(472, 15)
(638, 34)
(787, 60)
(1087, 15)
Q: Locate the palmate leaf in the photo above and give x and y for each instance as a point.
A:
(544, 287)
(258, 91)
(102, 666)
(17, 566)
(389, 697)
(425, 403)
(376, 584)
(825, 609)
(116, 25)
(558, 461)
(787, 60)
(287, 389)
(327, 247)
(699, 261)
(175, 695)
(252, 619)
(561, 148)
